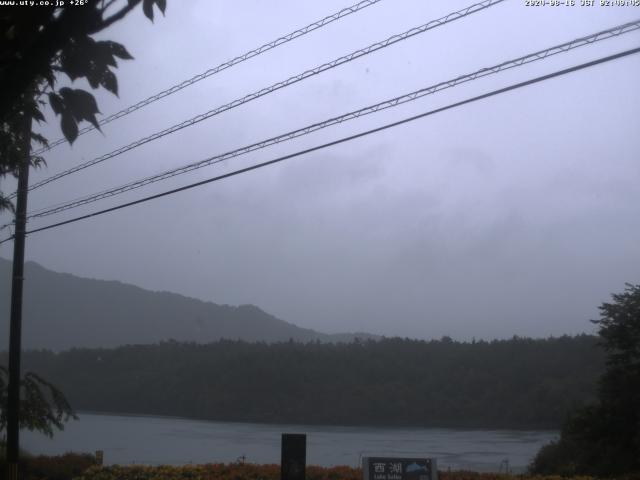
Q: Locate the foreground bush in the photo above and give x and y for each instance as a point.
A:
(265, 472)
(603, 439)
(217, 471)
(82, 467)
(61, 467)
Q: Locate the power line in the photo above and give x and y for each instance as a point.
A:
(223, 66)
(276, 86)
(532, 57)
(291, 80)
(344, 139)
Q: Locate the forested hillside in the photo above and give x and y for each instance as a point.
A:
(517, 383)
(63, 311)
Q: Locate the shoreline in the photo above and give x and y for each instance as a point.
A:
(312, 426)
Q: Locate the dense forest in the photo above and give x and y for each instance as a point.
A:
(516, 383)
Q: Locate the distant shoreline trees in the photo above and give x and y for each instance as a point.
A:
(516, 383)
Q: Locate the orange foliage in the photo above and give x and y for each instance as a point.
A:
(248, 471)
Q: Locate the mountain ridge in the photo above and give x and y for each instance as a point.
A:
(63, 311)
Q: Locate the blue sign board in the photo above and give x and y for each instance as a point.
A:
(399, 468)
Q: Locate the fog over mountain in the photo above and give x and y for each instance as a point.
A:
(514, 215)
(62, 311)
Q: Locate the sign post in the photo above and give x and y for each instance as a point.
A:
(399, 468)
(294, 456)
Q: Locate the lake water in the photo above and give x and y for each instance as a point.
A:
(158, 440)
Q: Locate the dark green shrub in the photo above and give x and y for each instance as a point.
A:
(60, 467)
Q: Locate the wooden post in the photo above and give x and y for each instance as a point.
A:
(15, 325)
(293, 456)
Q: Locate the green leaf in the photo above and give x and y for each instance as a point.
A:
(147, 8)
(48, 76)
(74, 59)
(162, 5)
(40, 139)
(85, 57)
(94, 77)
(103, 56)
(56, 102)
(37, 115)
(69, 127)
(80, 102)
(38, 161)
(110, 82)
(6, 205)
(94, 121)
(119, 50)
(72, 69)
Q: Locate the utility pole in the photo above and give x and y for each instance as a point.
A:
(15, 326)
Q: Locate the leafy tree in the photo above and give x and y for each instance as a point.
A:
(604, 439)
(36, 45)
(43, 407)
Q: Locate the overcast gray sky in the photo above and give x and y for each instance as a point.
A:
(514, 215)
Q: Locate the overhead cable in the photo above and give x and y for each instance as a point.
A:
(223, 66)
(343, 140)
(393, 102)
(276, 86)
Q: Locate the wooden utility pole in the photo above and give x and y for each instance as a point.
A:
(15, 326)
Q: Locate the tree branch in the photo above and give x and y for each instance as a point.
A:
(109, 3)
(118, 15)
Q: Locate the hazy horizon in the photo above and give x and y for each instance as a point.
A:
(506, 335)
(510, 216)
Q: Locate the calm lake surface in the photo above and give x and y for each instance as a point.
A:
(157, 440)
